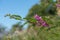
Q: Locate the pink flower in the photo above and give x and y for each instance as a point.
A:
(37, 17)
(58, 5)
(40, 20)
(45, 24)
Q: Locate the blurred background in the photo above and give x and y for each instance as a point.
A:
(17, 19)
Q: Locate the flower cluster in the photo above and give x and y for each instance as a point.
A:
(40, 20)
(58, 5)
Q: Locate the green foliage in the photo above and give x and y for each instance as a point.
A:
(17, 17)
(40, 33)
(45, 8)
(31, 19)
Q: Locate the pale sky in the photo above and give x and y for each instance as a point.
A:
(19, 7)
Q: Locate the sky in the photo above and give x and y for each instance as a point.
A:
(19, 7)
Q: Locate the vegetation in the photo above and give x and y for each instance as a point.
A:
(44, 8)
(39, 32)
(43, 23)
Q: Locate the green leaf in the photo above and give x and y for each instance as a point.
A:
(16, 17)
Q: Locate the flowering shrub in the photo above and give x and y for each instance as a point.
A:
(39, 33)
(33, 20)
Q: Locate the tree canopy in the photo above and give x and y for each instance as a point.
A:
(44, 8)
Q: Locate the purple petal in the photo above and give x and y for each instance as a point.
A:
(40, 20)
(37, 17)
(45, 24)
